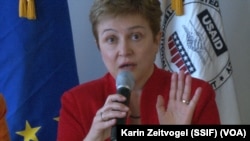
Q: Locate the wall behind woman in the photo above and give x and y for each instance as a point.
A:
(236, 20)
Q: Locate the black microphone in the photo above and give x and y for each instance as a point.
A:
(124, 84)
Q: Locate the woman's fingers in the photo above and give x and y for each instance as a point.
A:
(113, 108)
(114, 102)
(180, 85)
(112, 114)
(180, 105)
(115, 98)
(105, 120)
(160, 106)
(173, 87)
(187, 90)
(196, 97)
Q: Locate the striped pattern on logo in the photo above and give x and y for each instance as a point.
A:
(179, 55)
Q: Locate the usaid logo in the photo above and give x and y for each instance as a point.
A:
(212, 31)
(195, 42)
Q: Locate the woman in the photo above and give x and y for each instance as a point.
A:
(4, 132)
(128, 33)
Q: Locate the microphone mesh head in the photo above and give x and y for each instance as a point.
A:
(125, 79)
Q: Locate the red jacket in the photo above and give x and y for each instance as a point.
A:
(80, 104)
(4, 132)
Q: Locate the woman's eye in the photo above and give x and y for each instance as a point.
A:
(111, 40)
(136, 36)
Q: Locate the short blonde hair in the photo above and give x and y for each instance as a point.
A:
(148, 9)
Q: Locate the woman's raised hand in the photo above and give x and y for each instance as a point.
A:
(180, 107)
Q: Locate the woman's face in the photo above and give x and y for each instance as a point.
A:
(127, 43)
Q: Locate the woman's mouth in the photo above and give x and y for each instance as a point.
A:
(127, 66)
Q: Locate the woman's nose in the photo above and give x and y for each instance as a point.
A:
(125, 48)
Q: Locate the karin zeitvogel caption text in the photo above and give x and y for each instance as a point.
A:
(218, 132)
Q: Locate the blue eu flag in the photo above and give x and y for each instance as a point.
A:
(37, 64)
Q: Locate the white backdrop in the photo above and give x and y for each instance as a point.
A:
(236, 19)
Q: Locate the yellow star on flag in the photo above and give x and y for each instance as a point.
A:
(29, 133)
(56, 118)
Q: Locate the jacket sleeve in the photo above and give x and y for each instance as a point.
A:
(70, 126)
(4, 132)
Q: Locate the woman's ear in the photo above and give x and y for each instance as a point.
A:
(158, 40)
